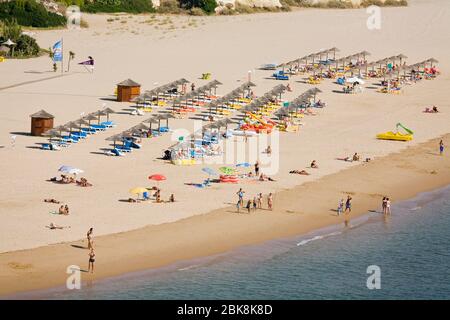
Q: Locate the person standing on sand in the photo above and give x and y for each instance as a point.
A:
(240, 194)
(255, 206)
(259, 200)
(383, 205)
(193, 86)
(340, 208)
(89, 238)
(270, 201)
(441, 147)
(238, 206)
(249, 206)
(91, 261)
(348, 204)
(257, 168)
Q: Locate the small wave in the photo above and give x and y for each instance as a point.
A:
(306, 241)
(415, 208)
(189, 267)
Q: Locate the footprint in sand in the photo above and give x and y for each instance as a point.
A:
(19, 266)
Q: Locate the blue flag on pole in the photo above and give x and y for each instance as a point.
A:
(57, 51)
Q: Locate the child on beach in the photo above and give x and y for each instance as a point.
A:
(270, 201)
(238, 206)
(441, 147)
(240, 194)
(340, 207)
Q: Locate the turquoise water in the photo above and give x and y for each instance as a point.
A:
(411, 247)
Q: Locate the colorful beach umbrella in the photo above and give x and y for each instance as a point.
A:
(70, 170)
(227, 170)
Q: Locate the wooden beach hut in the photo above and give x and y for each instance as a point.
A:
(41, 122)
(127, 90)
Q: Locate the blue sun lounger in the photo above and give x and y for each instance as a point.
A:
(108, 124)
(99, 127)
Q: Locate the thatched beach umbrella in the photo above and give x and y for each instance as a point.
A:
(114, 138)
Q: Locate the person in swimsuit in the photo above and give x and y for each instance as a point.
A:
(441, 147)
(388, 206)
(249, 206)
(91, 261)
(314, 164)
(348, 204)
(270, 201)
(383, 205)
(259, 200)
(257, 168)
(89, 238)
(240, 194)
(255, 205)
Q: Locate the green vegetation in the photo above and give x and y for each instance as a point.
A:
(29, 13)
(110, 6)
(208, 6)
(25, 46)
(341, 4)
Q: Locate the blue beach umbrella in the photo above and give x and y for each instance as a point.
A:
(209, 171)
(243, 165)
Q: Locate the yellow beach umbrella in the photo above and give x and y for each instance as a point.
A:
(138, 190)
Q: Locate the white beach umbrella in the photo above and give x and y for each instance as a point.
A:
(70, 170)
(355, 80)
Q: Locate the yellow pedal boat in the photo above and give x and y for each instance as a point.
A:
(395, 136)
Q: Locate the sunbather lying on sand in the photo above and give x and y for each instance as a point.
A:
(303, 172)
(263, 177)
(51, 200)
(348, 159)
(431, 110)
(64, 179)
(84, 183)
(53, 226)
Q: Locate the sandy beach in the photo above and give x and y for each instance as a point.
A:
(135, 236)
(297, 211)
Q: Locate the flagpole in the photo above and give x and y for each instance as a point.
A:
(62, 55)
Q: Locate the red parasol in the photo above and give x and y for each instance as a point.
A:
(157, 177)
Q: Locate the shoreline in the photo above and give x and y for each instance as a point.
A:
(298, 211)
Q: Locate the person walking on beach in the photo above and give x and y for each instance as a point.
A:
(91, 260)
(270, 201)
(238, 206)
(340, 207)
(257, 168)
(259, 200)
(348, 204)
(240, 194)
(441, 147)
(254, 202)
(89, 238)
(383, 205)
(388, 206)
(193, 86)
(249, 206)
